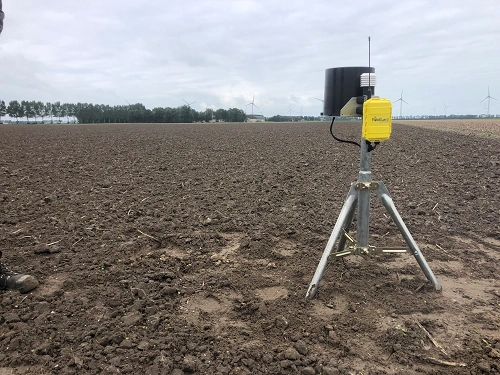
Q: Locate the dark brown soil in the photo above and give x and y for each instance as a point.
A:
(176, 249)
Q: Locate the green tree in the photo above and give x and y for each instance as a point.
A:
(27, 110)
(80, 112)
(235, 115)
(185, 114)
(57, 110)
(108, 113)
(137, 113)
(158, 114)
(36, 109)
(15, 110)
(91, 113)
(67, 110)
(3, 110)
(122, 113)
(41, 111)
(279, 118)
(48, 111)
(207, 115)
(170, 115)
(197, 116)
(221, 114)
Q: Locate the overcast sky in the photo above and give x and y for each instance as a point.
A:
(220, 53)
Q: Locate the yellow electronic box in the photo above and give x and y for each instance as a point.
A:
(377, 119)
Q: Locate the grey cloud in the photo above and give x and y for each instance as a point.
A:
(220, 53)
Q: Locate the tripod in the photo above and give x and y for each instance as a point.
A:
(360, 193)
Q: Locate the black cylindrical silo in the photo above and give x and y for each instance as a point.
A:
(341, 84)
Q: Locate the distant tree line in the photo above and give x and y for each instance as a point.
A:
(280, 118)
(85, 113)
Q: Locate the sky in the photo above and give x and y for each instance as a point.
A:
(222, 53)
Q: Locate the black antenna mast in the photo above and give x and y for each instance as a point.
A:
(369, 71)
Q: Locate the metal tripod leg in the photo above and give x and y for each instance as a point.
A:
(348, 222)
(345, 215)
(385, 198)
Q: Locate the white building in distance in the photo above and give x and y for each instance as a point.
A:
(255, 118)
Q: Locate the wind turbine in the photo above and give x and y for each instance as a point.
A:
(401, 100)
(445, 108)
(488, 97)
(252, 103)
(290, 112)
(434, 109)
(188, 104)
(321, 100)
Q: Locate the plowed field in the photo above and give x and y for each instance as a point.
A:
(478, 127)
(189, 248)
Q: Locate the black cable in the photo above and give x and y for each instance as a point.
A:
(370, 146)
(338, 139)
